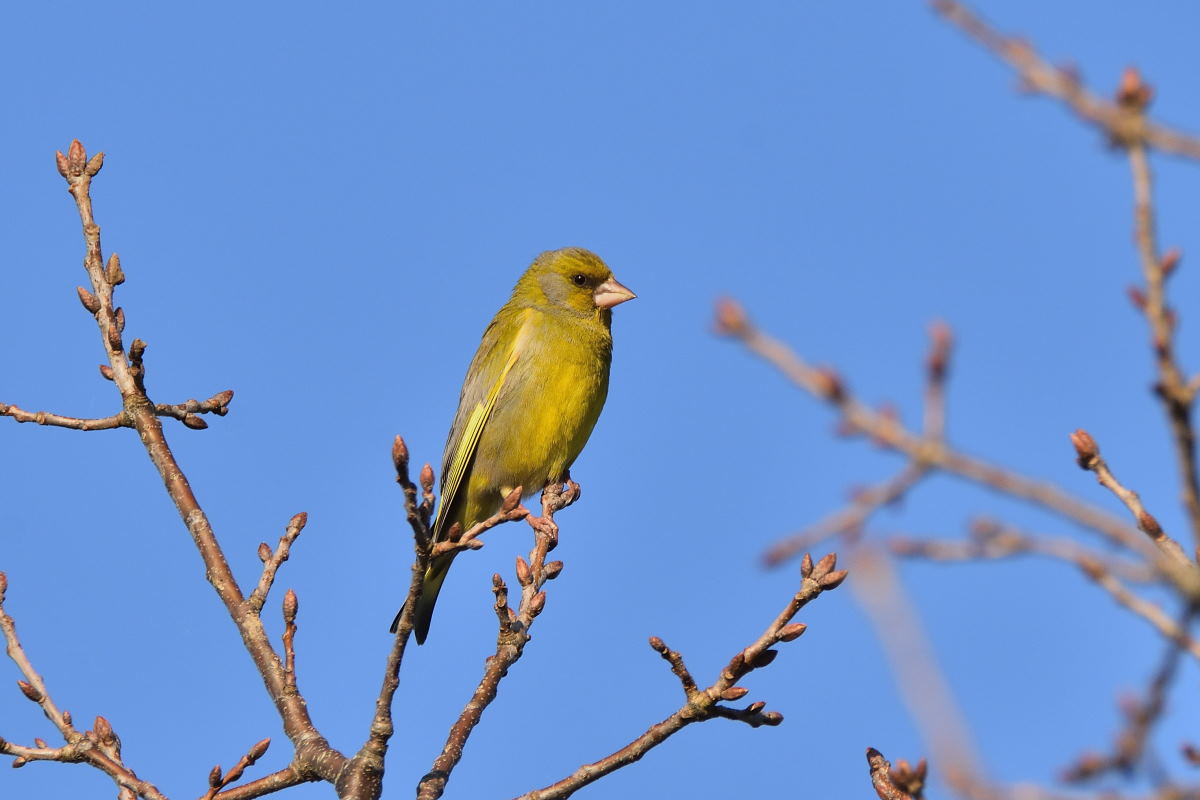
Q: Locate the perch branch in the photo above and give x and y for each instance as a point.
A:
(514, 628)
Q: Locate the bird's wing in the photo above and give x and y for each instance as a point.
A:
(475, 407)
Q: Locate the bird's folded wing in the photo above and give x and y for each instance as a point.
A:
(457, 467)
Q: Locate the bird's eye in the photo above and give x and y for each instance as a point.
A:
(580, 279)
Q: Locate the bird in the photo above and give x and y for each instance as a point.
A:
(530, 399)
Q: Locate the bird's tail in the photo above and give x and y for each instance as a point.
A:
(434, 576)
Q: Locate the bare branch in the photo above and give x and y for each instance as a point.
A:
(848, 521)
(185, 412)
(900, 783)
(937, 366)
(990, 540)
(929, 454)
(1114, 119)
(923, 688)
(1180, 568)
(99, 747)
(704, 704)
(218, 780)
(514, 628)
(1176, 392)
(268, 784)
(274, 560)
(1141, 717)
(127, 371)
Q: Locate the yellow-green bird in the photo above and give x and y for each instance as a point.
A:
(531, 397)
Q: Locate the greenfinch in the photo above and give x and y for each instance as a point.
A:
(530, 399)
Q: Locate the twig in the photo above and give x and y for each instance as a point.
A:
(1159, 619)
(268, 784)
(510, 510)
(1063, 84)
(1181, 568)
(184, 412)
(218, 780)
(272, 560)
(848, 520)
(899, 783)
(419, 511)
(922, 686)
(98, 747)
(1140, 719)
(513, 633)
(704, 704)
(990, 540)
(1102, 571)
(937, 366)
(126, 369)
(291, 605)
(1125, 123)
(1177, 394)
(931, 454)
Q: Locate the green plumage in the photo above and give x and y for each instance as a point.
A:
(531, 396)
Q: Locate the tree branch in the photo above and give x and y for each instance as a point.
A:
(900, 783)
(514, 628)
(127, 371)
(1178, 396)
(1181, 569)
(1063, 84)
(98, 747)
(884, 429)
(184, 412)
(991, 540)
(703, 704)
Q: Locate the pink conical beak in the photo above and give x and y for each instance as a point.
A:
(611, 293)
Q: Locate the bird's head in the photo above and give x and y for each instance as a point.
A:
(574, 279)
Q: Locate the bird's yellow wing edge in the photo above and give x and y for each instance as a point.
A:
(470, 440)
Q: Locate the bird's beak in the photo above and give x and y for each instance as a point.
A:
(611, 293)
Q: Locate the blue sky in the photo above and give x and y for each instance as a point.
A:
(321, 209)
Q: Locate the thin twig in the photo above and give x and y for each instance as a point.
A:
(704, 704)
(419, 511)
(990, 540)
(846, 521)
(828, 386)
(218, 780)
(184, 412)
(268, 784)
(272, 560)
(127, 370)
(99, 747)
(1063, 84)
(513, 634)
(901, 782)
(1181, 569)
(1126, 124)
(922, 686)
(937, 366)
(1141, 717)
(1155, 615)
(1177, 395)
